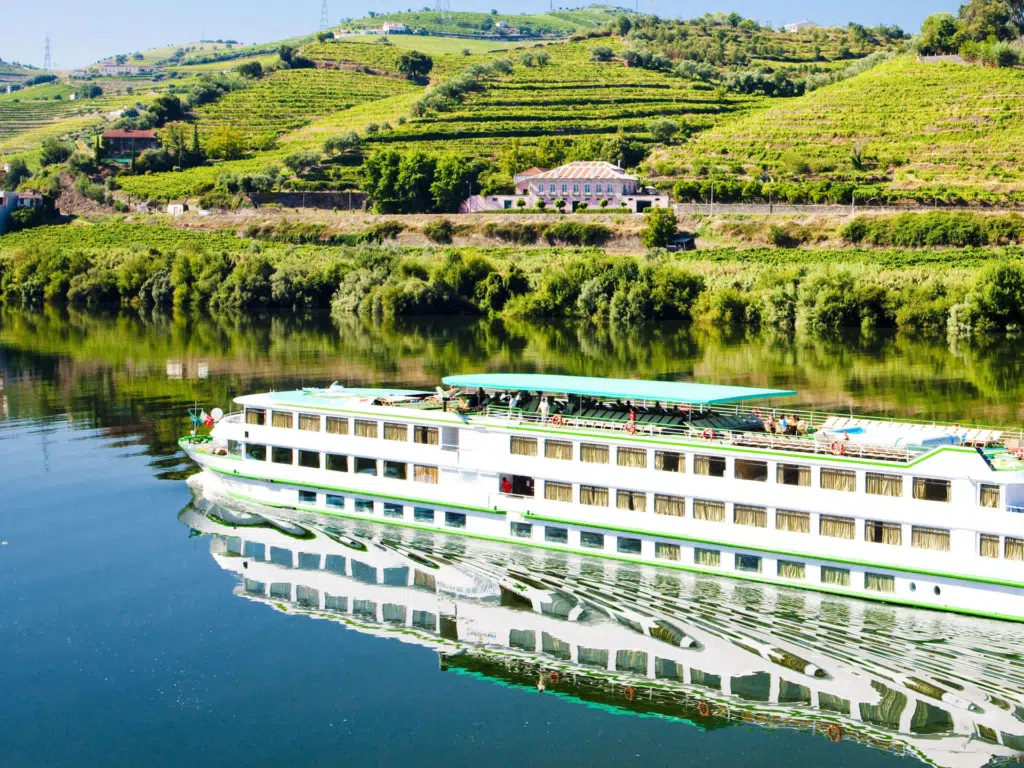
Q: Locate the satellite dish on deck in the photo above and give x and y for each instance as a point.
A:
(217, 414)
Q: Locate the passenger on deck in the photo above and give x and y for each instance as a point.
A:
(801, 428)
(514, 402)
(543, 408)
(783, 426)
(769, 425)
(632, 411)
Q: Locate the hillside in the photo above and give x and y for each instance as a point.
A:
(556, 23)
(904, 128)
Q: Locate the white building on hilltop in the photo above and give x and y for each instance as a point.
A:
(798, 25)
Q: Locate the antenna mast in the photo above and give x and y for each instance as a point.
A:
(325, 22)
(47, 59)
(444, 10)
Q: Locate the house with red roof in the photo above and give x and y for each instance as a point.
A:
(127, 142)
(584, 181)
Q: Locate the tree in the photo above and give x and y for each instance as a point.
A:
(251, 69)
(167, 108)
(452, 183)
(18, 173)
(323, 37)
(621, 25)
(121, 59)
(301, 161)
(54, 152)
(542, 58)
(175, 138)
(291, 60)
(663, 129)
(660, 229)
(985, 19)
(937, 35)
(343, 143)
(414, 64)
(226, 142)
(88, 91)
(601, 53)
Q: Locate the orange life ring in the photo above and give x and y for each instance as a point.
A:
(838, 449)
(557, 420)
(506, 486)
(629, 428)
(835, 735)
(703, 709)
(708, 434)
(554, 677)
(629, 693)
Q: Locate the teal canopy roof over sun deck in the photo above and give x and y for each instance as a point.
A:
(622, 389)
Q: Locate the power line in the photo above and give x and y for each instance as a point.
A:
(47, 59)
(325, 22)
(444, 8)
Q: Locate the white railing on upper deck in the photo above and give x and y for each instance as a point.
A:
(1017, 510)
(711, 436)
(235, 417)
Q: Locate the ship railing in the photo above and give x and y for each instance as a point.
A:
(1014, 509)
(235, 417)
(819, 444)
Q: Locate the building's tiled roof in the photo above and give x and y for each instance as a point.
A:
(129, 133)
(530, 172)
(587, 169)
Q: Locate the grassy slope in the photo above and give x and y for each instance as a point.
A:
(926, 124)
(558, 22)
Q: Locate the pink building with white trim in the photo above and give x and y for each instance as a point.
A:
(587, 182)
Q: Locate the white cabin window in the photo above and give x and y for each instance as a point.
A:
(523, 446)
(309, 422)
(748, 469)
(363, 466)
(708, 510)
(837, 527)
(423, 515)
(399, 432)
(635, 501)
(558, 449)
(883, 533)
(424, 474)
(591, 540)
(713, 466)
(1013, 549)
(929, 538)
(628, 546)
(521, 530)
(878, 484)
(668, 461)
(632, 457)
(425, 435)
(709, 557)
(396, 470)
(255, 452)
(366, 428)
(592, 453)
(336, 425)
(282, 419)
(310, 459)
(989, 496)
(788, 569)
(282, 455)
(877, 582)
(665, 551)
(795, 522)
(255, 416)
(836, 577)
(673, 506)
(593, 496)
(793, 474)
(556, 535)
(930, 489)
(336, 463)
(988, 545)
(454, 519)
(748, 563)
(743, 514)
(557, 491)
(838, 479)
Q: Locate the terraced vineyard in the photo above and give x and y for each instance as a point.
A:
(916, 125)
(570, 96)
(555, 23)
(289, 99)
(23, 124)
(384, 58)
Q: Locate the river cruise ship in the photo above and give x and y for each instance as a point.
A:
(698, 477)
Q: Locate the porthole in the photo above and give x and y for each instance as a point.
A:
(913, 587)
(938, 591)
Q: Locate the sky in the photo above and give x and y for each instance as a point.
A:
(80, 33)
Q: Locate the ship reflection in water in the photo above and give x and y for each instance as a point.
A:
(712, 652)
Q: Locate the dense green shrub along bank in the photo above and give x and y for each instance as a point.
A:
(969, 292)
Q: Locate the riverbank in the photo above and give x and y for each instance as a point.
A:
(968, 291)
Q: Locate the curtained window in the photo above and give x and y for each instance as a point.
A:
(667, 461)
(709, 557)
(791, 570)
(309, 422)
(336, 425)
(592, 540)
(282, 419)
(255, 416)
(593, 496)
(713, 466)
(674, 506)
(746, 515)
(422, 474)
(425, 435)
(838, 479)
(593, 454)
(878, 484)
(708, 510)
(837, 577)
(929, 489)
(557, 491)
(632, 500)
(878, 582)
(366, 428)
(837, 527)
(664, 551)
(632, 457)
(1013, 549)
(883, 533)
(337, 463)
(929, 538)
(747, 469)
(523, 446)
(282, 455)
(399, 432)
(793, 474)
(989, 546)
(796, 522)
(989, 496)
(558, 449)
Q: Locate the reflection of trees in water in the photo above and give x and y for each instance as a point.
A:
(134, 374)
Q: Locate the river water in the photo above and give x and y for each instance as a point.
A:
(142, 621)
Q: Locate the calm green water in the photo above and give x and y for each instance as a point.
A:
(139, 623)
